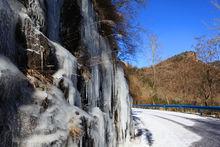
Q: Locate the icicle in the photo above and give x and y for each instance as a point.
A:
(42, 58)
(114, 97)
(53, 13)
(55, 118)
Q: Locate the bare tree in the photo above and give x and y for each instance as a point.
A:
(207, 88)
(216, 3)
(122, 30)
(154, 46)
(208, 51)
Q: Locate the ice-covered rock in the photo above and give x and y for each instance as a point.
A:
(7, 29)
(68, 93)
(15, 91)
(36, 12)
(67, 74)
(57, 121)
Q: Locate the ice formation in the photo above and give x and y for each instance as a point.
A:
(7, 29)
(53, 15)
(60, 100)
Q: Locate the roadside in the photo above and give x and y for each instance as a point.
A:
(174, 129)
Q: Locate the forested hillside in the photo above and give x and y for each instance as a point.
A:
(182, 79)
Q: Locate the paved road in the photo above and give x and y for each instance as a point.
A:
(173, 129)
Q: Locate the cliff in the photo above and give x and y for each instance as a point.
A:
(59, 83)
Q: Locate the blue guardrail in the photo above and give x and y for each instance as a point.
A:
(211, 108)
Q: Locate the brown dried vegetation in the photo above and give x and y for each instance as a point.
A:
(181, 79)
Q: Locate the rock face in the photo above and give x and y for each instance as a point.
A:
(60, 85)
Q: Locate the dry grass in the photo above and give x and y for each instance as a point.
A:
(37, 78)
(178, 81)
(75, 131)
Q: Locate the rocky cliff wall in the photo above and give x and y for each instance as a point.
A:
(60, 85)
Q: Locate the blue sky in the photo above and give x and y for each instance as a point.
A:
(176, 23)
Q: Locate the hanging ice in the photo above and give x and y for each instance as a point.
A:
(73, 103)
(53, 16)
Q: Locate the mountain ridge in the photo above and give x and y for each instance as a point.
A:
(181, 79)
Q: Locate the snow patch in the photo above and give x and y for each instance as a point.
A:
(166, 129)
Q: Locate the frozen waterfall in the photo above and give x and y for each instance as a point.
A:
(72, 102)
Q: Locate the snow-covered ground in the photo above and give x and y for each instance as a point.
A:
(173, 129)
